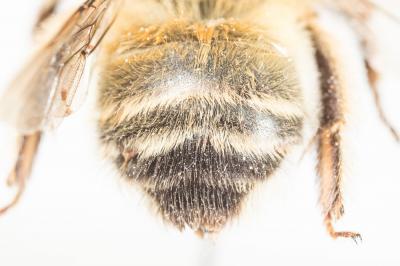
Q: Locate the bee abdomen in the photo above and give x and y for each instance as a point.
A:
(202, 208)
(196, 115)
(194, 185)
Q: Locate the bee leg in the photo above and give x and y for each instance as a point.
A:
(329, 141)
(46, 11)
(330, 172)
(128, 155)
(359, 21)
(373, 77)
(22, 169)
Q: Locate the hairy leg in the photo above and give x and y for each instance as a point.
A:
(328, 138)
(27, 151)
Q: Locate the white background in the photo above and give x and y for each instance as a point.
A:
(76, 212)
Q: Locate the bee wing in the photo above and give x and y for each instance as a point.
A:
(46, 90)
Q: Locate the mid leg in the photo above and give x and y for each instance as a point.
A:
(358, 17)
(22, 168)
(373, 77)
(47, 10)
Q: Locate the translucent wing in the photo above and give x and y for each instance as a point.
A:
(46, 89)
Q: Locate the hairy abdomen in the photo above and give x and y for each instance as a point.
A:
(197, 114)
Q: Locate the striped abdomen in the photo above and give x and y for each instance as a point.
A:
(197, 114)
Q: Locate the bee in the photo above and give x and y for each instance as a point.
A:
(199, 101)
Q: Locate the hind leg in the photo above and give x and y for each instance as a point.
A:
(329, 136)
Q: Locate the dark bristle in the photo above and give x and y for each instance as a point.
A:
(195, 186)
(201, 208)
